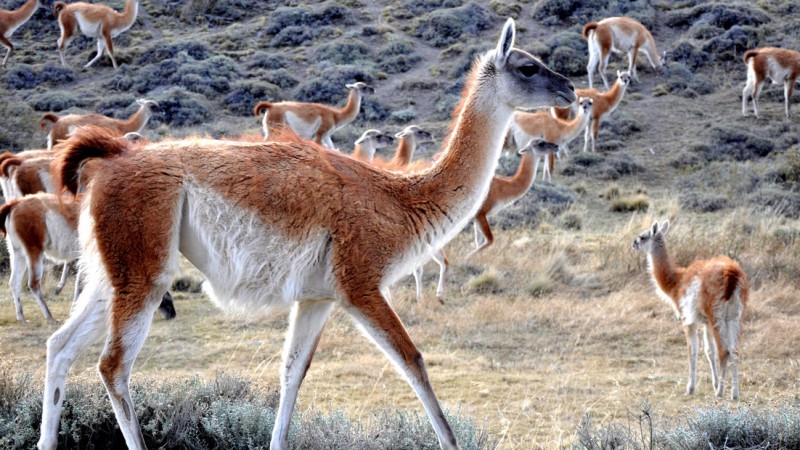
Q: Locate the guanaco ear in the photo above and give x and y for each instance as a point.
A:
(665, 227)
(527, 148)
(400, 134)
(655, 228)
(141, 101)
(350, 86)
(505, 44)
(618, 73)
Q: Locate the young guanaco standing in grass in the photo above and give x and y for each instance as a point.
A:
(313, 121)
(10, 21)
(542, 126)
(620, 35)
(603, 104)
(95, 21)
(63, 125)
(711, 293)
(308, 227)
(779, 64)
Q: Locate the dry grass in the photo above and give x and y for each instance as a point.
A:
(595, 340)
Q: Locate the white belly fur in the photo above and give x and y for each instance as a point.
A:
(62, 242)
(249, 266)
(301, 127)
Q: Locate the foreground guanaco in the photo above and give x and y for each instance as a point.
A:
(95, 21)
(309, 228)
(711, 293)
(10, 21)
(63, 125)
(779, 64)
(603, 104)
(313, 120)
(622, 35)
(504, 191)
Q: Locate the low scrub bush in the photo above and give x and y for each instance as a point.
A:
(116, 106)
(196, 49)
(443, 27)
(559, 12)
(20, 129)
(731, 46)
(226, 412)
(57, 100)
(343, 52)
(269, 61)
(723, 16)
(181, 108)
(488, 282)
(737, 144)
(245, 94)
(689, 56)
(619, 165)
(281, 78)
(305, 18)
(638, 202)
(24, 76)
(403, 116)
(329, 85)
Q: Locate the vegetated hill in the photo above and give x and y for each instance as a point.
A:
(679, 132)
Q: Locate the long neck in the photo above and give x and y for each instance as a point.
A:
(128, 17)
(456, 185)
(615, 94)
(364, 152)
(138, 120)
(663, 270)
(523, 178)
(351, 109)
(577, 124)
(404, 153)
(25, 12)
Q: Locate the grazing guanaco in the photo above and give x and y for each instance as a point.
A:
(369, 142)
(95, 21)
(313, 120)
(711, 293)
(504, 191)
(10, 21)
(620, 35)
(779, 64)
(603, 104)
(309, 228)
(63, 125)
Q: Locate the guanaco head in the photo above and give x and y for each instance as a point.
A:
(416, 133)
(653, 234)
(539, 147)
(361, 87)
(624, 78)
(586, 104)
(376, 138)
(147, 103)
(523, 80)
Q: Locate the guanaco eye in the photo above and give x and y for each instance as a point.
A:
(529, 70)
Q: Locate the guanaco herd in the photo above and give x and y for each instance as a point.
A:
(292, 221)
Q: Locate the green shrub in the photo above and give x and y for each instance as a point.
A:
(343, 52)
(403, 116)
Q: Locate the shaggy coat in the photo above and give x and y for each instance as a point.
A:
(64, 125)
(622, 35)
(10, 21)
(276, 224)
(778, 64)
(95, 21)
(711, 293)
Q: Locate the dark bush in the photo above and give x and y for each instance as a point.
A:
(580, 163)
(343, 52)
(181, 108)
(270, 61)
(245, 94)
(197, 49)
(115, 105)
(717, 15)
(738, 144)
(705, 31)
(446, 26)
(554, 12)
(719, 185)
(567, 61)
(374, 110)
(464, 63)
(208, 77)
(285, 17)
(622, 127)
(24, 76)
(20, 128)
(56, 100)
(731, 45)
(293, 36)
(329, 86)
(619, 165)
(779, 199)
(418, 7)
(399, 63)
(280, 78)
(688, 55)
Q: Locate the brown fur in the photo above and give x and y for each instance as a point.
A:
(64, 124)
(12, 20)
(626, 35)
(780, 64)
(330, 117)
(111, 23)
(587, 28)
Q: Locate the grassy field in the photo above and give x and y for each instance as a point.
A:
(558, 320)
(545, 328)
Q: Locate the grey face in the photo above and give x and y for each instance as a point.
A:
(362, 87)
(625, 78)
(377, 138)
(419, 135)
(533, 84)
(539, 147)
